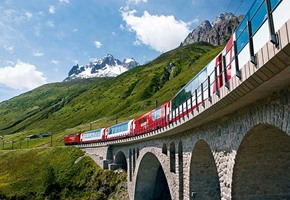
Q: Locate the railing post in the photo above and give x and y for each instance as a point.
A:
(251, 44)
(182, 110)
(225, 73)
(175, 115)
(208, 89)
(191, 104)
(217, 92)
(238, 72)
(273, 35)
(178, 110)
(202, 96)
(186, 104)
(196, 102)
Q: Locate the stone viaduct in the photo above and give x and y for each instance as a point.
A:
(235, 147)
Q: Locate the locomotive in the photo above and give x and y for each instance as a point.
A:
(193, 94)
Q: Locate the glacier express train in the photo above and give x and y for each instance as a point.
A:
(251, 34)
(193, 94)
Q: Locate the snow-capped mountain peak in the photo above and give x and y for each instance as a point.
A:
(128, 60)
(106, 66)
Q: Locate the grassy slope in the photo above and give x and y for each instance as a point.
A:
(30, 174)
(58, 107)
(68, 107)
(27, 109)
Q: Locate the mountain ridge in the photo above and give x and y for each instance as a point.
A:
(217, 32)
(106, 66)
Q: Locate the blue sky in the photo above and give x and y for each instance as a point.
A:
(40, 40)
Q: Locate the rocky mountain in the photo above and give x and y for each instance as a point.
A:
(215, 33)
(106, 66)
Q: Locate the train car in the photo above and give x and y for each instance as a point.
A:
(92, 136)
(121, 130)
(152, 120)
(72, 139)
(206, 83)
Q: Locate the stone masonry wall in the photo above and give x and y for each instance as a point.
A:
(223, 137)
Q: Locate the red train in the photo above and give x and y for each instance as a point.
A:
(195, 92)
(72, 139)
(154, 119)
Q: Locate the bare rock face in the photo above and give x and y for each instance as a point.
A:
(216, 33)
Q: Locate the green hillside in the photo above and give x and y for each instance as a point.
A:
(67, 174)
(64, 108)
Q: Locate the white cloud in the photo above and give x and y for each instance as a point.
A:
(137, 43)
(161, 33)
(9, 62)
(37, 53)
(21, 76)
(55, 62)
(28, 15)
(50, 24)
(122, 27)
(64, 1)
(13, 16)
(9, 49)
(137, 1)
(51, 9)
(194, 21)
(75, 30)
(98, 44)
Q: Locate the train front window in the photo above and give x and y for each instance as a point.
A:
(143, 120)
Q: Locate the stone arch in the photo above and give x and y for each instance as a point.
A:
(164, 149)
(180, 169)
(204, 180)
(120, 159)
(138, 152)
(172, 157)
(130, 165)
(134, 160)
(151, 181)
(262, 165)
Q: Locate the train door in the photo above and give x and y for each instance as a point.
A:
(105, 134)
(229, 58)
(166, 113)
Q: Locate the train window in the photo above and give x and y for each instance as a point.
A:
(156, 114)
(140, 121)
(259, 17)
(118, 128)
(242, 40)
(125, 127)
(274, 3)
